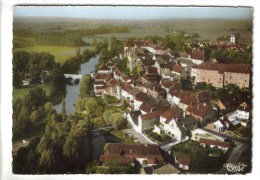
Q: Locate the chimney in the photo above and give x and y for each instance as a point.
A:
(184, 114)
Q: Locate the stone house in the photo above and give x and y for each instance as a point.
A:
(220, 75)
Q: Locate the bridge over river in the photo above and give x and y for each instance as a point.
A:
(73, 76)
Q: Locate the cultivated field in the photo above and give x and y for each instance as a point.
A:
(208, 29)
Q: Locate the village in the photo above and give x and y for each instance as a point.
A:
(179, 102)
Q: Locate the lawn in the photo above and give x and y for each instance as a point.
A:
(21, 92)
(60, 53)
(203, 159)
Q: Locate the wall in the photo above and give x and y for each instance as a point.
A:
(239, 79)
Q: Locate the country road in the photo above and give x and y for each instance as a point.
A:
(234, 157)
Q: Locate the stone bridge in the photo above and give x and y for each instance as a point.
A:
(73, 76)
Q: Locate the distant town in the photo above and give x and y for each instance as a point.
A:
(172, 104)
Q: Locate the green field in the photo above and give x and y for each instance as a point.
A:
(61, 54)
(21, 92)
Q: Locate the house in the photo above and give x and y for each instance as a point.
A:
(197, 57)
(112, 88)
(103, 78)
(221, 125)
(144, 154)
(203, 112)
(220, 75)
(139, 99)
(166, 84)
(226, 104)
(179, 71)
(175, 88)
(213, 143)
(172, 124)
(132, 119)
(156, 91)
(99, 90)
(126, 88)
(183, 163)
(149, 78)
(151, 71)
(26, 82)
(104, 70)
(147, 121)
(243, 111)
(148, 106)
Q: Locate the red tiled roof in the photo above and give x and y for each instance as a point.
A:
(152, 70)
(128, 153)
(177, 86)
(98, 83)
(229, 101)
(178, 68)
(142, 97)
(236, 68)
(147, 106)
(113, 83)
(215, 143)
(167, 84)
(171, 113)
(199, 109)
(197, 55)
(150, 115)
(184, 161)
(126, 87)
(104, 68)
(244, 107)
(164, 66)
(103, 76)
(204, 96)
(151, 78)
(158, 48)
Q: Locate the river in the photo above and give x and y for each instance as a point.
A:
(72, 94)
(72, 91)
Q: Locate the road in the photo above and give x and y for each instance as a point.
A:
(234, 157)
(241, 145)
(138, 136)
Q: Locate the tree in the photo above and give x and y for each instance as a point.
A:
(118, 121)
(85, 86)
(35, 98)
(58, 81)
(17, 79)
(63, 111)
(207, 52)
(20, 61)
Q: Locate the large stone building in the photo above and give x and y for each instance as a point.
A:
(220, 75)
